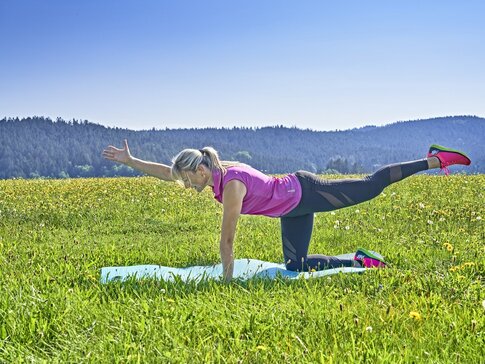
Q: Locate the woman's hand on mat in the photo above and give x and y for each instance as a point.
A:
(118, 155)
(227, 258)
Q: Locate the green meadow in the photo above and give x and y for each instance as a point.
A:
(55, 235)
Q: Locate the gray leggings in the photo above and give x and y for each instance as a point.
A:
(320, 195)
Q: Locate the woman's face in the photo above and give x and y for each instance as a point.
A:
(197, 180)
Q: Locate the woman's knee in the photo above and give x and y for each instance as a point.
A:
(372, 186)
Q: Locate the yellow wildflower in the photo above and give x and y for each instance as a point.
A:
(448, 247)
(415, 315)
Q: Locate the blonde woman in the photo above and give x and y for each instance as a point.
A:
(293, 198)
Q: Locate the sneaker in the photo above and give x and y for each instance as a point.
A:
(448, 157)
(369, 259)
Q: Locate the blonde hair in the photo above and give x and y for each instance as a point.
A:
(191, 159)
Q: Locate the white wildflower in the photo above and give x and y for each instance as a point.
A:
(421, 205)
(430, 222)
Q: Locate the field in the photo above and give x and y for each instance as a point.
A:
(55, 235)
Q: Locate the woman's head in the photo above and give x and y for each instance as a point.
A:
(194, 167)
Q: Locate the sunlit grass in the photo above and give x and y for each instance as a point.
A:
(55, 235)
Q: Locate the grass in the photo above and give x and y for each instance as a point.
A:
(55, 235)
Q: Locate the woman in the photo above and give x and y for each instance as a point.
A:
(293, 198)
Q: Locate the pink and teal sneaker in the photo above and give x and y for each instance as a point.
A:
(448, 157)
(369, 259)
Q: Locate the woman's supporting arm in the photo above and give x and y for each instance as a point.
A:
(232, 199)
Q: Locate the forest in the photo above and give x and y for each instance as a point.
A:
(38, 147)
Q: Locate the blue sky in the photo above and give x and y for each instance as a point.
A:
(322, 65)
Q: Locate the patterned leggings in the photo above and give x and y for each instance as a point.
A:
(320, 195)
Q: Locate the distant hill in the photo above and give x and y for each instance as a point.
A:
(40, 147)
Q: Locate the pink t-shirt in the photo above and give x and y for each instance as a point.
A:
(265, 195)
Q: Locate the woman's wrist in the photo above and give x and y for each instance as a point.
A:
(130, 162)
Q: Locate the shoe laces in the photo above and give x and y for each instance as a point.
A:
(444, 168)
(443, 163)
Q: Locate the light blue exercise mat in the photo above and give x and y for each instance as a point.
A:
(243, 269)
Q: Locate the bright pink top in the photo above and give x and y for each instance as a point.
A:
(265, 195)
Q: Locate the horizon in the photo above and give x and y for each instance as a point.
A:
(55, 120)
(313, 65)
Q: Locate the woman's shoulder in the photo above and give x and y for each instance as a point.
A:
(246, 173)
(243, 168)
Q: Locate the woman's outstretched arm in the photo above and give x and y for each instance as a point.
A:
(123, 156)
(232, 199)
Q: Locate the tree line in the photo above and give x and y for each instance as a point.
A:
(40, 147)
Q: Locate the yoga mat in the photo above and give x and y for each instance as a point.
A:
(243, 269)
